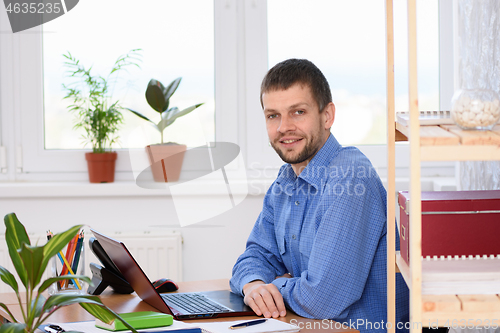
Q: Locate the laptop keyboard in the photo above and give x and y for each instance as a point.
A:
(194, 303)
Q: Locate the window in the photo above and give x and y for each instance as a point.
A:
(227, 65)
(177, 40)
(205, 59)
(346, 40)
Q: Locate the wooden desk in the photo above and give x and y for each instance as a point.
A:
(131, 303)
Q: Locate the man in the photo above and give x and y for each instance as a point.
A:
(319, 244)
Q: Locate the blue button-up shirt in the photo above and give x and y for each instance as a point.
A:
(327, 228)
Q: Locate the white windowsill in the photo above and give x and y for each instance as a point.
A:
(118, 189)
(10, 190)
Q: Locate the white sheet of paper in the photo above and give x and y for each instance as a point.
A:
(89, 327)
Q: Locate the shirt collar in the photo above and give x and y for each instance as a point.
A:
(315, 170)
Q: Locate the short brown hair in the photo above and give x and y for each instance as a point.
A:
(289, 72)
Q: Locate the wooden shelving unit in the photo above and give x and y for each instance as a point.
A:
(428, 143)
(450, 143)
(451, 309)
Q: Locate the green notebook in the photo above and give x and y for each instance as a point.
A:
(138, 320)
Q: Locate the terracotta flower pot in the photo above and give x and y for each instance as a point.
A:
(101, 167)
(166, 161)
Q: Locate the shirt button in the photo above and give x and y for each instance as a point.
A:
(293, 237)
(297, 203)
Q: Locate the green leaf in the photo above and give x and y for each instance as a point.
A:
(164, 123)
(92, 304)
(132, 58)
(63, 300)
(8, 311)
(15, 235)
(32, 257)
(38, 306)
(140, 115)
(182, 113)
(90, 94)
(57, 243)
(52, 280)
(170, 90)
(33, 260)
(170, 112)
(104, 314)
(13, 328)
(174, 114)
(8, 278)
(154, 95)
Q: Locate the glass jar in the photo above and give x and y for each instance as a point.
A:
(475, 109)
(69, 261)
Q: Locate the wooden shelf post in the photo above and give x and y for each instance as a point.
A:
(391, 172)
(415, 187)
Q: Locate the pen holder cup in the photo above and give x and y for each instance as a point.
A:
(72, 256)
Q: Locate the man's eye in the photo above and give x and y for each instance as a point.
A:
(300, 112)
(272, 116)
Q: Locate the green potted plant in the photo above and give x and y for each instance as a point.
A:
(165, 158)
(30, 263)
(97, 114)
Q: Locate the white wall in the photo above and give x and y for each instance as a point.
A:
(210, 248)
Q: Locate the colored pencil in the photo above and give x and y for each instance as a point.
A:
(63, 259)
(71, 255)
(78, 252)
(68, 258)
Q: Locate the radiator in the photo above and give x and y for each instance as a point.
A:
(159, 254)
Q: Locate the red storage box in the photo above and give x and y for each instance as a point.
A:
(454, 223)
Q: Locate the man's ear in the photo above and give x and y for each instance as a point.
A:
(329, 115)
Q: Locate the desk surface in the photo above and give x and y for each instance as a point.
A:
(131, 303)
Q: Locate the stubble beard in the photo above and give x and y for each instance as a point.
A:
(308, 152)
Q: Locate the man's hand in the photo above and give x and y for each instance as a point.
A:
(264, 299)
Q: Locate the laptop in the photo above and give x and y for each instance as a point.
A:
(192, 305)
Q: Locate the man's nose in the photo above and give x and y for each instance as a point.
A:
(286, 125)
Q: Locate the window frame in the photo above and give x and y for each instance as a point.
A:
(53, 165)
(9, 119)
(263, 156)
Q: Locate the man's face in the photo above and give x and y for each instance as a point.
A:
(296, 128)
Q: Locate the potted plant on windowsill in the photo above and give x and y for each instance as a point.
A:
(165, 158)
(30, 263)
(97, 115)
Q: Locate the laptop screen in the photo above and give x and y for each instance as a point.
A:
(131, 270)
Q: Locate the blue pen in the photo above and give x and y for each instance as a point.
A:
(248, 323)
